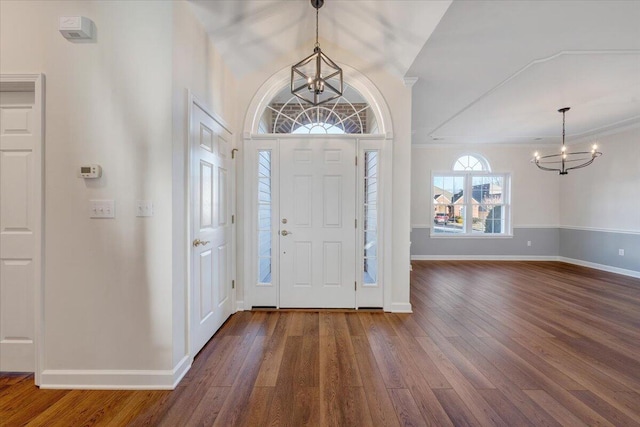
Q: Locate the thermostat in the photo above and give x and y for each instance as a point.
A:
(90, 171)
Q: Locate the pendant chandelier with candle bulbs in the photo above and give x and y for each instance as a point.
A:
(565, 161)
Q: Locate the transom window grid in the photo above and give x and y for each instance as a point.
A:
(348, 114)
(470, 162)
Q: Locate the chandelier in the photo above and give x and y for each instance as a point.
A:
(316, 79)
(565, 161)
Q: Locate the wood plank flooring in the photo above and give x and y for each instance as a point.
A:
(489, 343)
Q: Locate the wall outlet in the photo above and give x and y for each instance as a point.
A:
(102, 209)
(528, 242)
(144, 208)
(621, 252)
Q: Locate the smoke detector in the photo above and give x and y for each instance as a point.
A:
(76, 27)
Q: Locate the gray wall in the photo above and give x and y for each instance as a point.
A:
(544, 242)
(601, 247)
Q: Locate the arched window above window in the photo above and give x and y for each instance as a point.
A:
(471, 162)
(348, 114)
(471, 200)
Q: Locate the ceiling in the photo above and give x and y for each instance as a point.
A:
(498, 71)
(488, 71)
(251, 33)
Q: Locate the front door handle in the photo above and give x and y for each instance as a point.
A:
(285, 232)
(199, 242)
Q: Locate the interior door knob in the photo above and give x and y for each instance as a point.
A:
(285, 232)
(199, 242)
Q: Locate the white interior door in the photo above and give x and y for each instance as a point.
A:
(20, 221)
(317, 223)
(211, 248)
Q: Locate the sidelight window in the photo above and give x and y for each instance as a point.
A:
(264, 216)
(371, 177)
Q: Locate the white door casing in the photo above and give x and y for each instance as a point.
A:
(261, 294)
(318, 241)
(21, 166)
(211, 175)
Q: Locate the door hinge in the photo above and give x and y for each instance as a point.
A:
(233, 284)
(233, 219)
(356, 222)
(355, 285)
(356, 160)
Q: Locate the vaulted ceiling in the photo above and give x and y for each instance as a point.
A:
(488, 71)
(251, 33)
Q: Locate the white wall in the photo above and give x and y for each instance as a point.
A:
(534, 193)
(108, 282)
(197, 66)
(398, 98)
(606, 194)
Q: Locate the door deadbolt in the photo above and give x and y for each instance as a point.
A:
(284, 220)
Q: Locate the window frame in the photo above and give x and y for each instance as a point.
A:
(468, 204)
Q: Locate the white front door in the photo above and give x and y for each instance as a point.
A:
(211, 251)
(317, 223)
(20, 221)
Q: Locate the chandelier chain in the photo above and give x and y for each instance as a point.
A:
(317, 42)
(563, 113)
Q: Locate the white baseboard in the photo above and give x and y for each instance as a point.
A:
(181, 369)
(239, 305)
(608, 268)
(482, 258)
(401, 307)
(115, 379)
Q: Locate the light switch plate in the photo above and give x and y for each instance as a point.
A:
(144, 208)
(102, 209)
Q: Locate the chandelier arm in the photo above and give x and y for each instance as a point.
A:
(326, 100)
(549, 156)
(581, 166)
(332, 88)
(548, 169)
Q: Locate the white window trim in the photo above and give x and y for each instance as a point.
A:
(468, 234)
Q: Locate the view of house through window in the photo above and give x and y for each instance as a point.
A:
(470, 200)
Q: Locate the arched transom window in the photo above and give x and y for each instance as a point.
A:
(470, 162)
(348, 114)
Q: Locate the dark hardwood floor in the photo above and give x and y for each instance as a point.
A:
(489, 343)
